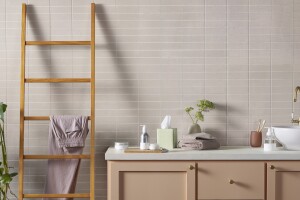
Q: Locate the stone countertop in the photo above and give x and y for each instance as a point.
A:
(224, 153)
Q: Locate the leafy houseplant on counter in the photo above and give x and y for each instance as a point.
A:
(5, 176)
(203, 106)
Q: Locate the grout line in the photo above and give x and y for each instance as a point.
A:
(138, 86)
(293, 56)
(72, 53)
(204, 60)
(50, 57)
(227, 72)
(5, 39)
(27, 56)
(249, 83)
(271, 63)
(181, 85)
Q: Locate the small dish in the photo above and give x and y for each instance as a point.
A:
(121, 145)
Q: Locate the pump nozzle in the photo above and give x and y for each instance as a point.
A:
(144, 129)
(270, 131)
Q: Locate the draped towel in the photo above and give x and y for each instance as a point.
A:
(67, 135)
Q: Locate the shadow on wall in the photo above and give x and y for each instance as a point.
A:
(112, 46)
(125, 82)
(220, 133)
(45, 51)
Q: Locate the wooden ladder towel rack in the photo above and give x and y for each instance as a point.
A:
(24, 80)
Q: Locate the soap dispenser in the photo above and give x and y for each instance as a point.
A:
(270, 140)
(144, 143)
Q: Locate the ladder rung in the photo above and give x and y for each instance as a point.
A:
(58, 42)
(40, 157)
(76, 195)
(40, 118)
(57, 80)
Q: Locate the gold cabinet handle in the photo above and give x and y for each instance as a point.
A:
(231, 181)
(191, 167)
(272, 167)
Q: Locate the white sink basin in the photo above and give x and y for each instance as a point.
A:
(288, 136)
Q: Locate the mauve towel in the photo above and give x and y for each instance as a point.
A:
(67, 135)
(200, 144)
(198, 141)
(197, 136)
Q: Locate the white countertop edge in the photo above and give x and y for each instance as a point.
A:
(224, 153)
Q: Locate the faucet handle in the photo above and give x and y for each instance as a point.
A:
(295, 121)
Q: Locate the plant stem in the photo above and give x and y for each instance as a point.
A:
(191, 118)
(4, 158)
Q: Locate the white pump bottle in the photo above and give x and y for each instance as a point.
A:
(145, 141)
(270, 140)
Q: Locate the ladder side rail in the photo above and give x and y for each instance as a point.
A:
(22, 104)
(92, 135)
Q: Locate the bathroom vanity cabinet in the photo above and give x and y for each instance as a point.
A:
(184, 180)
(209, 175)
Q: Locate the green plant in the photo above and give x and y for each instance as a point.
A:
(5, 176)
(203, 106)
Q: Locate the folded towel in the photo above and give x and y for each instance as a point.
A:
(200, 144)
(198, 141)
(197, 136)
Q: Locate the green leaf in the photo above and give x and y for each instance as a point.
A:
(5, 178)
(2, 110)
(199, 116)
(189, 109)
(205, 105)
(13, 174)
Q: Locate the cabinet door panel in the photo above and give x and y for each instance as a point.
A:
(283, 180)
(230, 180)
(153, 185)
(136, 180)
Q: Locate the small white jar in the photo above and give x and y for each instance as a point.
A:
(121, 145)
(153, 146)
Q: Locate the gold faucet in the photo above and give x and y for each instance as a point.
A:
(296, 121)
(297, 89)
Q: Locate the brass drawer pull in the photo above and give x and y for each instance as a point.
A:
(231, 181)
(191, 167)
(272, 167)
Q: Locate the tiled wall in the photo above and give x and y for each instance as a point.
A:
(154, 57)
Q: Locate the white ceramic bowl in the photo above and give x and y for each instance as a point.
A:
(288, 136)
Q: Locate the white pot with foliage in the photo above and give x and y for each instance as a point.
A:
(203, 106)
(5, 176)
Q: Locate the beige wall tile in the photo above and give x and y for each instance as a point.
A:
(153, 58)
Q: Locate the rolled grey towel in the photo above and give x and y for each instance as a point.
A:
(200, 144)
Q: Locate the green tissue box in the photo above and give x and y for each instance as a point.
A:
(167, 138)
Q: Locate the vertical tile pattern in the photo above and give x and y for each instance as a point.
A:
(260, 15)
(238, 72)
(153, 58)
(281, 60)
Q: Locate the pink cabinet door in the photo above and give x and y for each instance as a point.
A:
(151, 180)
(234, 180)
(283, 180)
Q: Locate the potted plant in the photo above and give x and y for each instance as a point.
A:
(5, 176)
(203, 106)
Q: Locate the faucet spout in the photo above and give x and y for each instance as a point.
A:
(297, 89)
